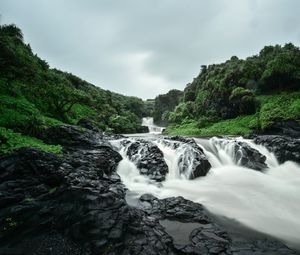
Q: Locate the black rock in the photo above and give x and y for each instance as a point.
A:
(192, 160)
(203, 234)
(71, 204)
(244, 154)
(143, 129)
(285, 128)
(71, 136)
(249, 157)
(148, 158)
(285, 148)
(88, 125)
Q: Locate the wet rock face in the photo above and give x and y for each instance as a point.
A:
(249, 157)
(192, 161)
(285, 148)
(149, 159)
(71, 204)
(289, 128)
(85, 123)
(72, 136)
(205, 235)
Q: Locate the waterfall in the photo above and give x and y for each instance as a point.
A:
(148, 122)
(267, 201)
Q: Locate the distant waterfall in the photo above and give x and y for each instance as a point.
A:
(148, 122)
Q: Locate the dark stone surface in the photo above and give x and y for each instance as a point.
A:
(74, 203)
(72, 136)
(284, 147)
(88, 125)
(71, 204)
(143, 129)
(243, 154)
(192, 161)
(249, 157)
(148, 158)
(207, 237)
(286, 128)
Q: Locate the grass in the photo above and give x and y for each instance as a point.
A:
(9, 141)
(285, 106)
(238, 126)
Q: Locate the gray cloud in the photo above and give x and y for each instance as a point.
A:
(147, 47)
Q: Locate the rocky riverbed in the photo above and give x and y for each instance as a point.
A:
(74, 203)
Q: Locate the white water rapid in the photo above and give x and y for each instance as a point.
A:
(154, 129)
(268, 201)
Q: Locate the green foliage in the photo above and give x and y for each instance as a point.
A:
(228, 90)
(43, 95)
(125, 124)
(239, 126)
(19, 114)
(10, 140)
(285, 106)
(231, 89)
(165, 103)
(182, 111)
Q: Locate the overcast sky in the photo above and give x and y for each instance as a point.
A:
(147, 47)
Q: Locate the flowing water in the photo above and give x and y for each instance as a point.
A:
(268, 202)
(153, 129)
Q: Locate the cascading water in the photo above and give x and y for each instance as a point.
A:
(148, 122)
(267, 201)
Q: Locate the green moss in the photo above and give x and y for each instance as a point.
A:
(11, 140)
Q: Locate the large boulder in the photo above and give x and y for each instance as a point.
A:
(148, 158)
(86, 123)
(71, 204)
(284, 147)
(195, 231)
(142, 129)
(71, 136)
(287, 128)
(192, 161)
(249, 157)
(242, 153)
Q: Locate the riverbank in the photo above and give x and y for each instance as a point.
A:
(282, 109)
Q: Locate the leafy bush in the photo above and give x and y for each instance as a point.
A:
(284, 106)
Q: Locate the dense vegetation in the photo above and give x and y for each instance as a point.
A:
(34, 96)
(164, 104)
(241, 96)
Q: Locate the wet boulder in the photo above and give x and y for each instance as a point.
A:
(285, 148)
(71, 204)
(148, 158)
(249, 157)
(86, 123)
(192, 161)
(71, 136)
(201, 233)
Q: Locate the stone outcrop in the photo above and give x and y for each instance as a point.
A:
(148, 158)
(285, 148)
(192, 161)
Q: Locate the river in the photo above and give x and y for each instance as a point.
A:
(266, 201)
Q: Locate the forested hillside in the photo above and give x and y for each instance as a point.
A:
(241, 96)
(164, 104)
(34, 96)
